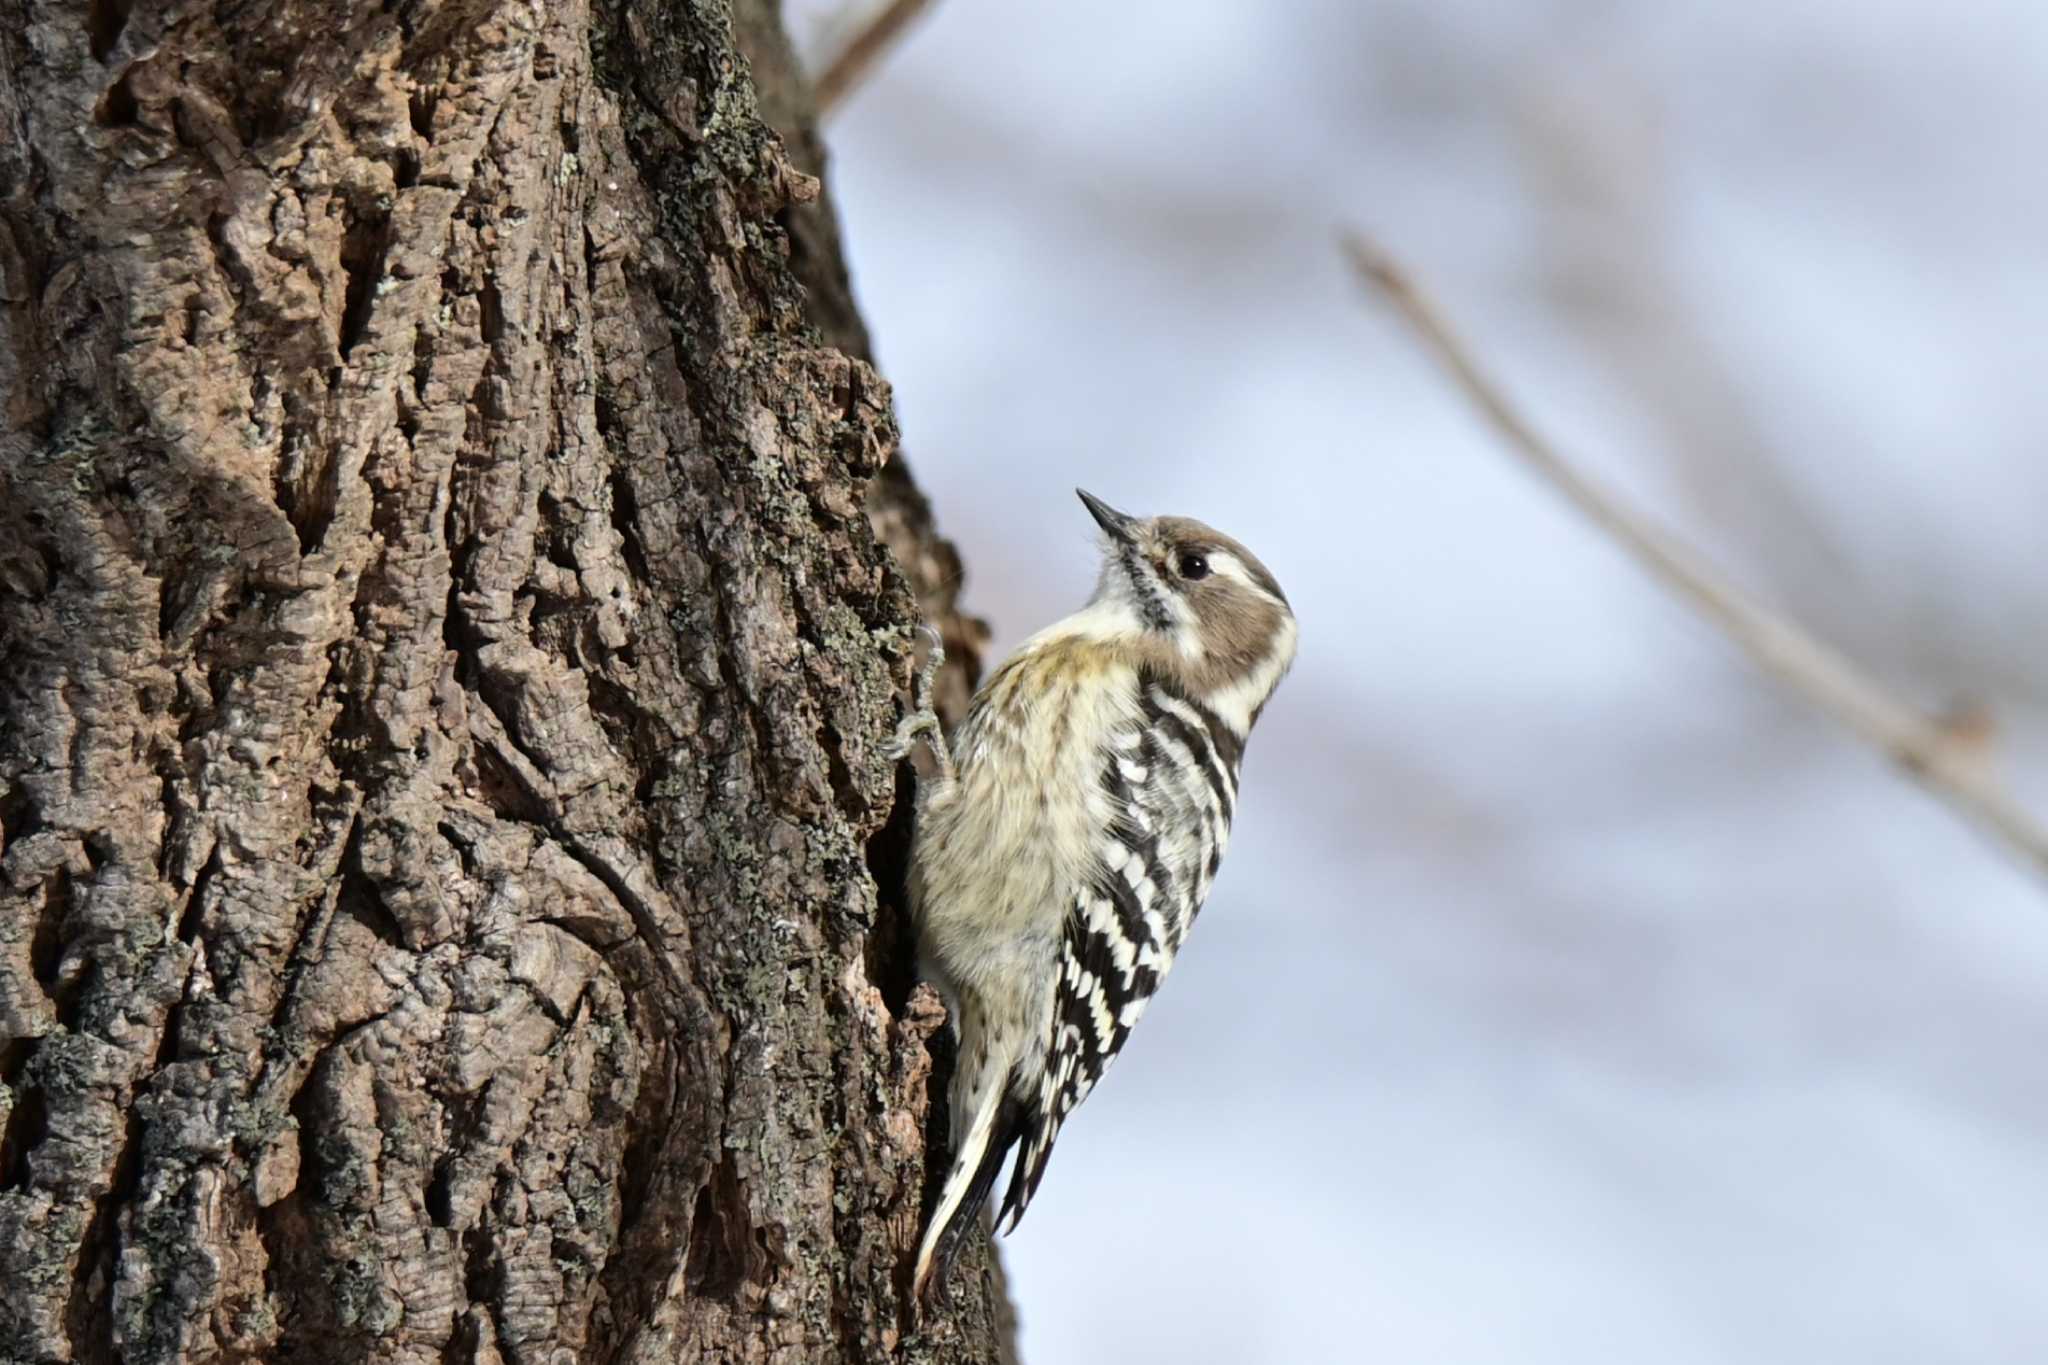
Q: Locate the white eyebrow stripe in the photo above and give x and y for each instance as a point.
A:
(1224, 562)
(1229, 565)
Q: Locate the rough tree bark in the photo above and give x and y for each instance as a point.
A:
(447, 859)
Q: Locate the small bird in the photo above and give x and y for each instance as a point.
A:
(1071, 836)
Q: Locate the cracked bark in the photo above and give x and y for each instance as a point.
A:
(447, 861)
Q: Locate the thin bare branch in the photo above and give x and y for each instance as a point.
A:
(1931, 752)
(856, 60)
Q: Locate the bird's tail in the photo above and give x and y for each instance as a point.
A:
(979, 1146)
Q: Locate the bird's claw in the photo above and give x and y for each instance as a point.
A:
(922, 721)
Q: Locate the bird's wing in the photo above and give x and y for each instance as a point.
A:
(1172, 783)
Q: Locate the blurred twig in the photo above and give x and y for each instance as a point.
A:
(1934, 754)
(857, 58)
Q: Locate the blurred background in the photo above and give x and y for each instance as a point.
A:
(1570, 993)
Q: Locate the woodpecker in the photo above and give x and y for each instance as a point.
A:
(1060, 856)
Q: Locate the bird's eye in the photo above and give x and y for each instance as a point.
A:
(1192, 566)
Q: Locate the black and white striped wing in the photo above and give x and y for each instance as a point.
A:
(1172, 786)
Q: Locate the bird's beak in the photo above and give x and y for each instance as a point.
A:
(1108, 518)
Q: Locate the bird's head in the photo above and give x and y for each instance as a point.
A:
(1197, 605)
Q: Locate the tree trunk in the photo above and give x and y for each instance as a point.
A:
(449, 870)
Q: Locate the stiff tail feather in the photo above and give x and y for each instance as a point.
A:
(1034, 1134)
(977, 1160)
